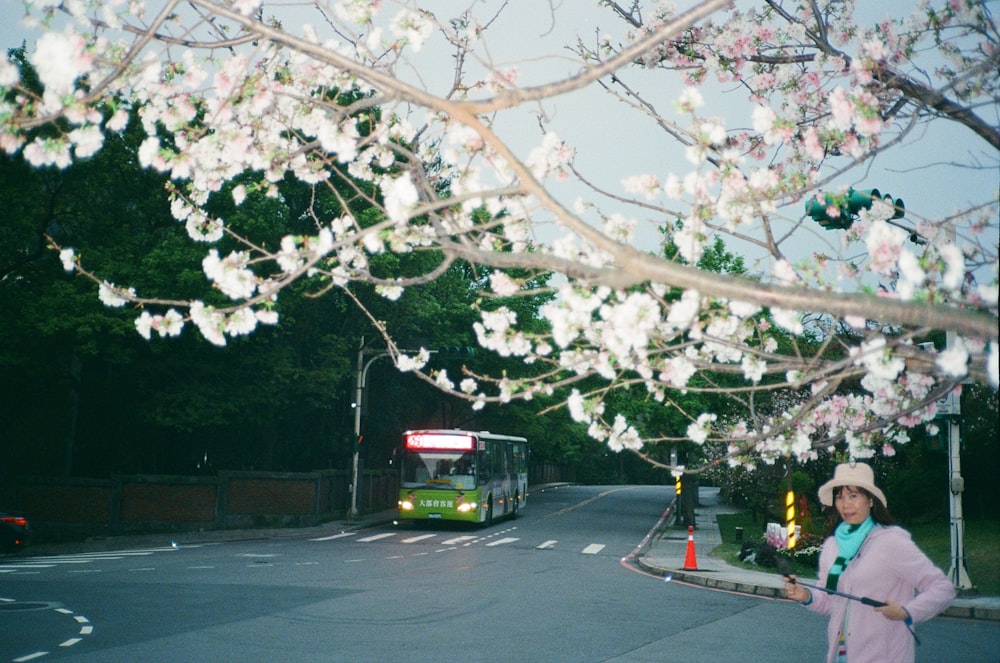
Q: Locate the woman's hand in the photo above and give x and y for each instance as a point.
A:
(795, 591)
(894, 611)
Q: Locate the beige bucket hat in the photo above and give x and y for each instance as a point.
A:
(851, 474)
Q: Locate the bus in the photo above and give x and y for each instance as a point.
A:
(462, 476)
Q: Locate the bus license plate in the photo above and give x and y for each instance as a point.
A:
(434, 515)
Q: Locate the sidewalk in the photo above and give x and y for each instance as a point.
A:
(667, 551)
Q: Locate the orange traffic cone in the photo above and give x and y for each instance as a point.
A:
(690, 563)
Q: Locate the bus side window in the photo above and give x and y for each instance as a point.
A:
(485, 464)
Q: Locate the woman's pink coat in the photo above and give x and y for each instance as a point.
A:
(888, 566)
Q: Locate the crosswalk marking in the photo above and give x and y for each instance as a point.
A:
(414, 539)
(376, 537)
(334, 536)
(32, 565)
(590, 549)
(500, 542)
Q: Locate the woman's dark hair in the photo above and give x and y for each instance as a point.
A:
(880, 512)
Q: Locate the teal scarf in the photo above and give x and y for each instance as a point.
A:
(849, 539)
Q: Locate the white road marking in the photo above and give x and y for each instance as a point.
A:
(414, 539)
(70, 642)
(547, 544)
(31, 657)
(459, 539)
(593, 549)
(334, 536)
(376, 537)
(500, 542)
(12, 568)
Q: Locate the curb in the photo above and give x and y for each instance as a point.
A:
(984, 613)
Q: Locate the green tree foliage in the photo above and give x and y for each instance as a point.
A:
(88, 396)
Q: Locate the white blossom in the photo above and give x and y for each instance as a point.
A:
(442, 381)
(113, 296)
(231, 274)
(68, 259)
(210, 323)
(698, 431)
(406, 363)
(954, 361)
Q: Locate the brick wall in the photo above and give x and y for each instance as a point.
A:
(186, 502)
(61, 508)
(70, 502)
(273, 496)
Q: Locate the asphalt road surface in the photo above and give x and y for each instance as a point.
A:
(554, 585)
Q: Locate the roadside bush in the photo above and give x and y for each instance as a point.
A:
(765, 550)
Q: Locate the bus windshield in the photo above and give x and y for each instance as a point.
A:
(454, 470)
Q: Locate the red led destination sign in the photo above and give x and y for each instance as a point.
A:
(440, 441)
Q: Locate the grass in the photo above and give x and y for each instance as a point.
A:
(982, 548)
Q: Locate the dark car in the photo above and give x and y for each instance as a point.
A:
(15, 533)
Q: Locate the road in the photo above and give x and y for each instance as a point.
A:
(554, 585)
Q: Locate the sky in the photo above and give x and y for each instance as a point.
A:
(613, 142)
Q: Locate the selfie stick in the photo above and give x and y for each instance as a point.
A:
(862, 599)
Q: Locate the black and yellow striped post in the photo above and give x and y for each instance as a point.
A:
(790, 517)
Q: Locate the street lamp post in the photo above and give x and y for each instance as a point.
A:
(362, 375)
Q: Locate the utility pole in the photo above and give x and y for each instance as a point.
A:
(362, 375)
(950, 409)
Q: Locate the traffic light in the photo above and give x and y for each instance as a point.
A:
(840, 210)
(456, 352)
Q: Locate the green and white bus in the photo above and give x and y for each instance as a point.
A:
(462, 475)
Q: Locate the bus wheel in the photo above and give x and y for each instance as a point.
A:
(489, 514)
(513, 512)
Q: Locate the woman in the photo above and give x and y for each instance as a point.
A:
(869, 556)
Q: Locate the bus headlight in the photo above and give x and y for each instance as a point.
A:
(405, 505)
(465, 507)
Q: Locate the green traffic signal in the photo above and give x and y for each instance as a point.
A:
(840, 210)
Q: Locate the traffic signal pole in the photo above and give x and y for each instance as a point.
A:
(359, 391)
